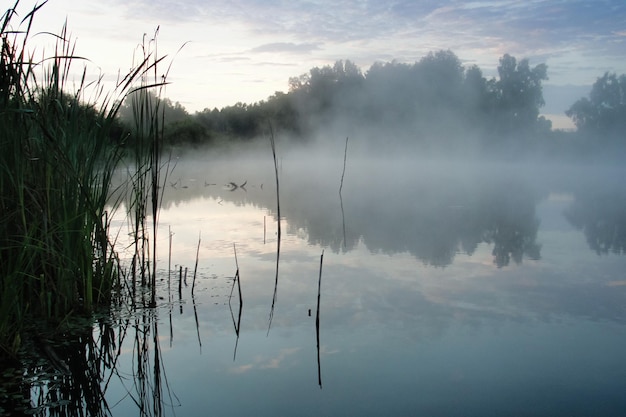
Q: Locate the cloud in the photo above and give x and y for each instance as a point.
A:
(568, 36)
(266, 363)
(275, 64)
(275, 363)
(241, 369)
(288, 47)
(530, 29)
(233, 59)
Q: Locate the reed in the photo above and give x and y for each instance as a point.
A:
(343, 173)
(195, 315)
(236, 323)
(147, 165)
(317, 322)
(60, 149)
(180, 283)
(278, 231)
(195, 268)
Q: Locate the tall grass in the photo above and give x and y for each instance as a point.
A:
(147, 165)
(59, 151)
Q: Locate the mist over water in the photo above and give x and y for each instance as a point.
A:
(473, 258)
(429, 205)
(489, 286)
(414, 239)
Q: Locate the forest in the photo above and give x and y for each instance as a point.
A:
(433, 104)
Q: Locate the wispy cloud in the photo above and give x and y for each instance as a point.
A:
(525, 28)
(241, 369)
(567, 35)
(265, 362)
(274, 363)
(287, 47)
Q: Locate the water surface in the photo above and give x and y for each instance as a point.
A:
(447, 289)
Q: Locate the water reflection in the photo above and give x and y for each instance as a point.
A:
(69, 373)
(435, 221)
(599, 211)
(278, 228)
(317, 322)
(389, 324)
(237, 322)
(431, 213)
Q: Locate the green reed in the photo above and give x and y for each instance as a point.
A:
(149, 171)
(59, 151)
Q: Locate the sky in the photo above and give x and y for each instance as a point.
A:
(224, 52)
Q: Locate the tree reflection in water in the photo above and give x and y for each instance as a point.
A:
(600, 212)
(432, 220)
(433, 213)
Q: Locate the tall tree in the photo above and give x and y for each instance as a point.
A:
(604, 112)
(519, 93)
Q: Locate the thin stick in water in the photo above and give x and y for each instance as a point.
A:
(180, 283)
(236, 261)
(195, 314)
(343, 173)
(317, 322)
(273, 144)
(345, 155)
(237, 323)
(195, 270)
(180, 289)
(169, 262)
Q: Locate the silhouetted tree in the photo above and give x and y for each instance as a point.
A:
(519, 94)
(172, 111)
(390, 93)
(281, 110)
(188, 131)
(475, 91)
(604, 112)
(434, 103)
(440, 76)
(324, 91)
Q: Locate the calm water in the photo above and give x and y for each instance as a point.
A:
(447, 289)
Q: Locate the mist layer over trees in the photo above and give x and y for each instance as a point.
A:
(435, 104)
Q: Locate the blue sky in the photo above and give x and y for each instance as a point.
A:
(245, 50)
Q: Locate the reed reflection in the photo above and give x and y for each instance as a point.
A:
(278, 230)
(237, 322)
(317, 322)
(69, 373)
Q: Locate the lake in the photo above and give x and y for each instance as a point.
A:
(433, 287)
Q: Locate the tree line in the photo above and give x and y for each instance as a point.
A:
(433, 102)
